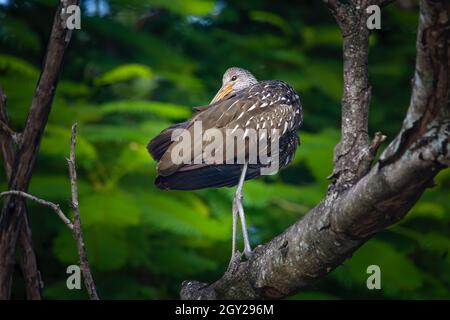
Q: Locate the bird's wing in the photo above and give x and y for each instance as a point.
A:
(262, 107)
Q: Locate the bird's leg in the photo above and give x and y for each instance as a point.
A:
(235, 255)
(238, 208)
(238, 202)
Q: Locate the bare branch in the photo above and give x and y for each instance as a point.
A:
(55, 207)
(33, 283)
(5, 138)
(14, 135)
(351, 160)
(12, 215)
(77, 231)
(431, 79)
(344, 220)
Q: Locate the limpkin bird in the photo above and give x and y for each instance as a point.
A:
(241, 103)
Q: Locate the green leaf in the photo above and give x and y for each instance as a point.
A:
(425, 209)
(132, 158)
(56, 142)
(192, 7)
(171, 213)
(15, 65)
(316, 151)
(53, 187)
(312, 295)
(260, 194)
(18, 34)
(114, 208)
(123, 73)
(271, 18)
(113, 133)
(180, 263)
(106, 247)
(399, 275)
(162, 109)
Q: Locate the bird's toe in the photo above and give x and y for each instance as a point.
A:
(248, 254)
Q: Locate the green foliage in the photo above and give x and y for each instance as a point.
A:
(123, 73)
(139, 67)
(17, 67)
(163, 109)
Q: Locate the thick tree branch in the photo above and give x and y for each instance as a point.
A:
(25, 157)
(6, 145)
(359, 205)
(351, 159)
(33, 283)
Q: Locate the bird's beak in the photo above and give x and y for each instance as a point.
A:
(223, 92)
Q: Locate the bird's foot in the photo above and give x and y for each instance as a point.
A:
(235, 260)
(248, 254)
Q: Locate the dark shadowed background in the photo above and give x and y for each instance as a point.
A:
(137, 66)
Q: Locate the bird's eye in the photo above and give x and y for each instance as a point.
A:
(234, 78)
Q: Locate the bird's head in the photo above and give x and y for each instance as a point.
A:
(234, 80)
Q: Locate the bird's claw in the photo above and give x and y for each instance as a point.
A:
(248, 254)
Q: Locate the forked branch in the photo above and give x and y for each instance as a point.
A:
(363, 200)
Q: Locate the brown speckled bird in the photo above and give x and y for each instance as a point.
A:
(241, 103)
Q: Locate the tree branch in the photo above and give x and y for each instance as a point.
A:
(351, 160)
(55, 207)
(358, 205)
(12, 215)
(77, 231)
(6, 129)
(33, 283)
(5, 138)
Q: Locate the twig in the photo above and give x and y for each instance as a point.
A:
(376, 142)
(14, 135)
(77, 231)
(54, 206)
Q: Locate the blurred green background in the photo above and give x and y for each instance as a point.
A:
(137, 66)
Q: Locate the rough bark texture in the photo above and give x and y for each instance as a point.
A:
(351, 159)
(13, 215)
(362, 200)
(31, 275)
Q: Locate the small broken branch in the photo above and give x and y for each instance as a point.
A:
(54, 206)
(14, 135)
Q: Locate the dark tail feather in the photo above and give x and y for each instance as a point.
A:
(206, 177)
(159, 144)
